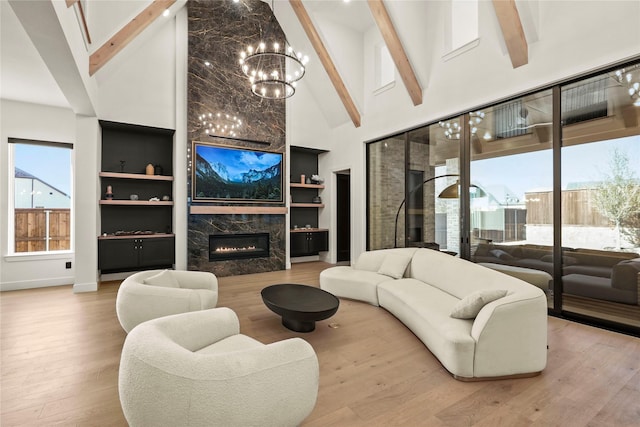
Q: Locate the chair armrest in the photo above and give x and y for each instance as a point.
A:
(137, 302)
(196, 279)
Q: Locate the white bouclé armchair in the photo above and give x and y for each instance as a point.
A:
(155, 293)
(195, 369)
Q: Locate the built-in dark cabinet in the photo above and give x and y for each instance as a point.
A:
(122, 254)
(306, 200)
(136, 204)
(305, 243)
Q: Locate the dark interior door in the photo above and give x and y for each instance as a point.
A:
(343, 206)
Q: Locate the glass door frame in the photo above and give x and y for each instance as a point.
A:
(465, 165)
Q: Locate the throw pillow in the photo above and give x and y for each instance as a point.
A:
(469, 306)
(394, 265)
(165, 278)
(500, 254)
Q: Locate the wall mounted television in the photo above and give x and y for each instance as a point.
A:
(227, 173)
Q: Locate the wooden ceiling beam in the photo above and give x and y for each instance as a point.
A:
(326, 61)
(390, 36)
(512, 31)
(126, 34)
(71, 2)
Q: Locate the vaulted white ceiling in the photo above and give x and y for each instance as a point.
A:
(342, 26)
(23, 74)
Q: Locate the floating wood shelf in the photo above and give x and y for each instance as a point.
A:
(135, 176)
(307, 230)
(135, 236)
(136, 203)
(228, 210)
(307, 205)
(318, 186)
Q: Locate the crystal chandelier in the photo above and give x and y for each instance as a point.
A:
(219, 124)
(273, 67)
(452, 128)
(625, 77)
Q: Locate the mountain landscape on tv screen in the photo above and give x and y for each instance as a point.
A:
(213, 181)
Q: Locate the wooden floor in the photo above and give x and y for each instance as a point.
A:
(60, 356)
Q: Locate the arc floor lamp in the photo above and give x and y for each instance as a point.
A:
(451, 192)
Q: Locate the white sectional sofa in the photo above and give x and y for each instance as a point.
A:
(450, 305)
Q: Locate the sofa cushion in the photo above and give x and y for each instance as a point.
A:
(588, 270)
(394, 265)
(500, 254)
(346, 282)
(566, 260)
(625, 275)
(164, 279)
(537, 278)
(597, 288)
(469, 306)
(372, 260)
(459, 277)
(425, 311)
(536, 264)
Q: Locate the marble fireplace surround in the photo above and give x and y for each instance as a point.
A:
(218, 31)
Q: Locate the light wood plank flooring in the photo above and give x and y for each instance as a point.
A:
(61, 351)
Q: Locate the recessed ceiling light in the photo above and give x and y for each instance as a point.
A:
(165, 13)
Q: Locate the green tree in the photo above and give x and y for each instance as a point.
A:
(617, 198)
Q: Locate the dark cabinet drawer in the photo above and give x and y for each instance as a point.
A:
(128, 254)
(309, 243)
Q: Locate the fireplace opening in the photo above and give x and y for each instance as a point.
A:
(238, 246)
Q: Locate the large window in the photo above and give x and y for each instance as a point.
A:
(512, 161)
(385, 178)
(42, 196)
(406, 175)
(601, 196)
(554, 184)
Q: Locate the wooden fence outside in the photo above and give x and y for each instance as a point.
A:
(31, 232)
(578, 208)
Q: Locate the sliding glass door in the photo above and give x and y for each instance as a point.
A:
(385, 184)
(553, 179)
(601, 197)
(512, 162)
(433, 165)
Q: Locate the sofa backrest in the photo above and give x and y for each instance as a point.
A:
(459, 277)
(625, 275)
(600, 258)
(372, 260)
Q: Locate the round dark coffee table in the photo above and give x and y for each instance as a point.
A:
(300, 306)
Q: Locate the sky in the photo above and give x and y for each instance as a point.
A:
(51, 164)
(534, 171)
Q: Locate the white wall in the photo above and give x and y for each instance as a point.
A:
(601, 33)
(141, 88)
(138, 88)
(41, 123)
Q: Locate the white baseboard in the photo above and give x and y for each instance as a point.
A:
(85, 287)
(36, 283)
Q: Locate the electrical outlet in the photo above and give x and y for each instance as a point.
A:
(67, 264)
